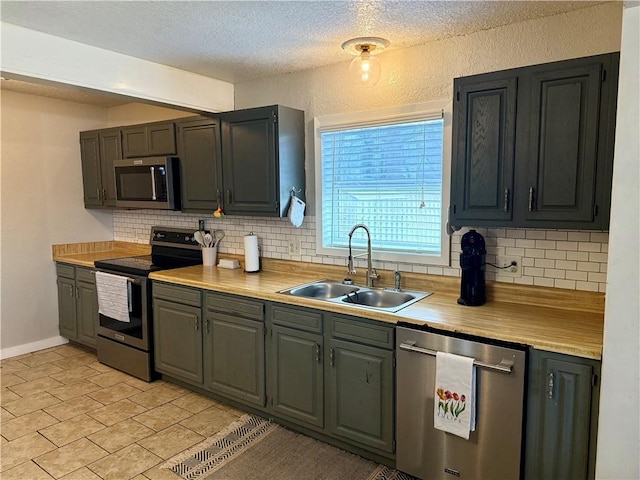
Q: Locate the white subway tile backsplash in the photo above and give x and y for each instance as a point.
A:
(553, 258)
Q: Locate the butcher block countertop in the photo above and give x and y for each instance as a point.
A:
(84, 254)
(557, 320)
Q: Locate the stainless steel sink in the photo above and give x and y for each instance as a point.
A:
(357, 296)
(324, 289)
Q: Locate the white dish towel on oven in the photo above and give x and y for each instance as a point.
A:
(455, 396)
(114, 294)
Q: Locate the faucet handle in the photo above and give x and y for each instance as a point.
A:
(374, 275)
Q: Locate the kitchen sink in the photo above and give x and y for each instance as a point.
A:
(357, 296)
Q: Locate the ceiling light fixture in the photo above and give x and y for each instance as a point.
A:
(364, 70)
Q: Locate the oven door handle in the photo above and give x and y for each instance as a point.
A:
(129, 279)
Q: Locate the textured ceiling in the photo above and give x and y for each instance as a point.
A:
(242, 40)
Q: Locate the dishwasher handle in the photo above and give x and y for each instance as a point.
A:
(410, 347)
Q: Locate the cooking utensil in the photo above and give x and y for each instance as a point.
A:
(217, 236)
(199, 236)
(208, 240)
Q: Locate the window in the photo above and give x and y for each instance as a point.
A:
(388, 169)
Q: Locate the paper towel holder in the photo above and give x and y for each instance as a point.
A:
(256, 266)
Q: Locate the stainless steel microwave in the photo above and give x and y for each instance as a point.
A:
(150, 182)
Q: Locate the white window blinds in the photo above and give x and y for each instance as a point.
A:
(387, 175)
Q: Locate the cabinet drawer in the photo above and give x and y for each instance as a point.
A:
(235, 305)
(85, 275)
(67, 271)
(353, 329)
(298, 318)
(187, 296)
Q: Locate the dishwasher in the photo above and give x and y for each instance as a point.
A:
(494, 450)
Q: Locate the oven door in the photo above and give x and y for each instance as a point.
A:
(137, 331)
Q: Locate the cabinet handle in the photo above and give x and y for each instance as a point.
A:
(229, 197)
(218, 197)
(531, 199)
(332, 358)
(506, 200)
(550, 386)
(317, 353)
(77, 292)
(195, 322)
(206, 325)
(99, 193)
(71, 290)
(104, 195)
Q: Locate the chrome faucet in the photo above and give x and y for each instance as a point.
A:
(371, 272)
(397, 280)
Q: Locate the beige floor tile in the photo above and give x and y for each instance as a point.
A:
(114, 394)
(120, 435)
(67, 350)
(71, 408)
(157, 396)
(157, 473)
(67, 392)
(10, 379)
(76, 361)
(26, 471)
(194, 402)
(125, 464)
(100, 367)
(35, 386)
(117, 412)
(209, 421)
(162, 417)
(81, 474)
(141, 384)
(5, 415)
(12, 366)
(41, 358)
(40, 371)
(23, 449)
(7, 396)
(174, 387)
(70, 458)
(108, 379)
(3, 440)
(71, 430)
(170, 441)
(30, 403)
(74, 375)
(29, 423)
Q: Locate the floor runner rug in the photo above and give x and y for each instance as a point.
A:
(253, 448)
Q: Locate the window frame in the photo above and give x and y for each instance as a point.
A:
(383, 116)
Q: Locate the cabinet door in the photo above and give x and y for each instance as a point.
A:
(67, 308)
(178, 340)
(563, 143)
(296, 380)
(200, 164)
(558, 417)
(87, 313)
(360, 394)
(91, 174)
(110, 150)
(484, 142)
(250, 161)
(234, 357)
(134, 141)
(161, 139)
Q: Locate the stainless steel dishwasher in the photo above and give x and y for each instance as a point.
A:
(494, 449)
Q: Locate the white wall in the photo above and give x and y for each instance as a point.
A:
(619, 436)
(42, 204)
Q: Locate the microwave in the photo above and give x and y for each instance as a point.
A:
(150, 182)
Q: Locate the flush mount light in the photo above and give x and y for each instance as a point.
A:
(364, 70)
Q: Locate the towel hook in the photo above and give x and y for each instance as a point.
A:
(295, 190)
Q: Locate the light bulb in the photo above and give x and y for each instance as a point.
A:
(364, 70)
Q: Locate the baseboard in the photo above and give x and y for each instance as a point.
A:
(32, 347)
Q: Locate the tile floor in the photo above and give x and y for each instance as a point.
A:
(66, 416)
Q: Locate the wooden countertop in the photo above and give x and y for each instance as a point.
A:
(557, 320)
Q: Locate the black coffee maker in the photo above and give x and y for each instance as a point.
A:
(472, 260)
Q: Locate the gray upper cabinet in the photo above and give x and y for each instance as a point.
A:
(562, 412)
(200, 163)
(533, 146)
(149, 140)
(98, 150)
(263, 159)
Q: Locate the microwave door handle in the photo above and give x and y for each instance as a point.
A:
(153, 183)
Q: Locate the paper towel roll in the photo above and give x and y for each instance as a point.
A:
(251, 253)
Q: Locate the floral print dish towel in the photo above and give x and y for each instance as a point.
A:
(454, 408)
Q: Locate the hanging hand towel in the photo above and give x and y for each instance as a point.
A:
(454, 408)
(114, 293)
(296, 211)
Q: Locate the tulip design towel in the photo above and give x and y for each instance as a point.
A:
(454, 402)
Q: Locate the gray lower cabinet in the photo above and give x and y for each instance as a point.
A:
(562, 410)
(77, 304)
(234, 363)
(177, 332)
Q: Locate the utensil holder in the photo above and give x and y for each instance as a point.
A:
(209, 256)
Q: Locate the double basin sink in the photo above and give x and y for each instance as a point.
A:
(358, 296)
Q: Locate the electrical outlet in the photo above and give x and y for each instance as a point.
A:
(515, 268)
(294, 246)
